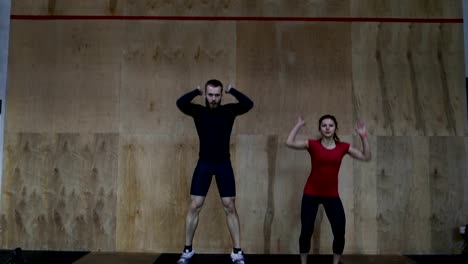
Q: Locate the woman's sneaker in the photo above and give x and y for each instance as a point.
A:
(238, 258)
(185, 257)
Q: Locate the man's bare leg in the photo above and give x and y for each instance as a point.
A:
(232, 220)
(191, 221)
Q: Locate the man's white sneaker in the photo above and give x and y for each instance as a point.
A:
(238, 258)
(185, 257)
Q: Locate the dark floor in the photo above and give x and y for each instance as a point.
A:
(63, 257)
(321, 259)
(225, 259)
(40, 257)
(443, 259)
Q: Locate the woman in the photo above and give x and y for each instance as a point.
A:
(322, 185)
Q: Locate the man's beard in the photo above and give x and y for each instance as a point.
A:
(212, 105)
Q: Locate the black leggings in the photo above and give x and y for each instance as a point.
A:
(335, 213)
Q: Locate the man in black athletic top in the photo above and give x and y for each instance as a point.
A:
(214, 125)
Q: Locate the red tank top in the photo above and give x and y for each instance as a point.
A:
(323, 178)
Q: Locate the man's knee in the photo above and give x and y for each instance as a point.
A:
(229, 205)
(196, 204)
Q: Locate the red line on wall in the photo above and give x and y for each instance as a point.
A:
(234, 18)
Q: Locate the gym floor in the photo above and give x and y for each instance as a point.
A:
(63, 257)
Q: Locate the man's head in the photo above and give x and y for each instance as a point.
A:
(213, 93)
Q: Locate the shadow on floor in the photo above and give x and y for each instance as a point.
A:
(249, 259)
(69, 257)
(439, 259)
(319, 259)
(43, 257)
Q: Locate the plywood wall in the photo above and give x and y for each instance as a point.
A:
(60, 191)
(98, 157)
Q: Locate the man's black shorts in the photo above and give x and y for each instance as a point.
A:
(223, 173)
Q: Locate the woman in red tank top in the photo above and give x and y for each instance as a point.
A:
(321, 187)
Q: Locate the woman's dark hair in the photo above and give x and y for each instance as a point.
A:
(335, 136)
(214, 83)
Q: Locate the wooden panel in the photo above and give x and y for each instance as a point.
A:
(63, 7)
(88, 76)
(183, 8)
(154, 192)
(402, 197)
(255, 163)
(451, 42)
(316, 64)
(144, 206)
(447, 171)
(403, 8)
(258, 68)
(295, 68)
(118, 258)
(29, 108)
(59, 191)
(162, 61)
(416, 205)
(462, 214)
(25, 214)
(403, 82)
(365, 203)
(436, 74)
(292, 170)
(316, 8)
(464, 183)
(72, 82)
(394, 158)
(238, 8)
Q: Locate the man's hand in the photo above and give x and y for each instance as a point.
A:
(228, 89)
(199, 89)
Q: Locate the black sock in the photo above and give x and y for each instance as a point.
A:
(189, 248)
(236, 250)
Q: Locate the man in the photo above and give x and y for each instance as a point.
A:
(214, 125)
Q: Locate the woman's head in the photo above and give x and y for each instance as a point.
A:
(328, 126)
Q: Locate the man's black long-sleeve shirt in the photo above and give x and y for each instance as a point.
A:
(214, 126)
